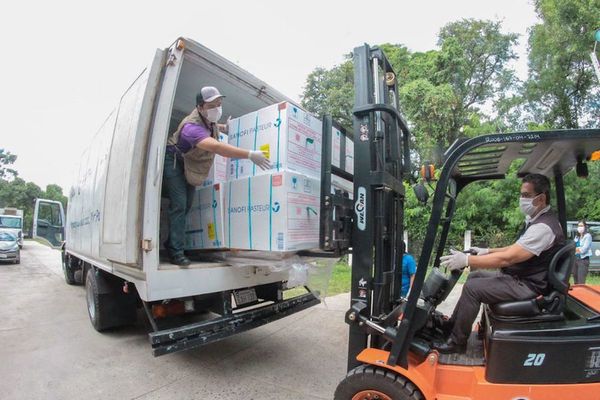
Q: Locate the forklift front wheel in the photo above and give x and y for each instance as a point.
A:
(367, 382)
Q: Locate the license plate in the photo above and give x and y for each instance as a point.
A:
(3, 256)
(244, 296)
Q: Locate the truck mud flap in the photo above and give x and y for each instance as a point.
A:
(201, 333)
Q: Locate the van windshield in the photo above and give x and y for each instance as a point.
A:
(10, 222)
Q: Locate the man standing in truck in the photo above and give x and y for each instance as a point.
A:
(190, 154)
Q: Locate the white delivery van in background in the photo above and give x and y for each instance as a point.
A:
(112, 239)
(11, 220)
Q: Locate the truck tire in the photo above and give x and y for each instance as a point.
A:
(67, 270)
(108, 307)
(366, 382)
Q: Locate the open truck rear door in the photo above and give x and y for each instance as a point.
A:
(121, 232)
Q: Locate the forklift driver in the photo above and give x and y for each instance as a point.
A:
(520, 269)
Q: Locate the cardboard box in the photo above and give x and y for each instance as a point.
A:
(204, 223)
(349, 156)
(218, 171)
(289, 136)
(336, 150)
(273, 212)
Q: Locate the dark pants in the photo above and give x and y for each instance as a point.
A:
(180, 193)
(581, 270)
(489, 287)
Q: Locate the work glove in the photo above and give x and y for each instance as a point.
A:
(456, 261)
(258, 158)
(479, 251)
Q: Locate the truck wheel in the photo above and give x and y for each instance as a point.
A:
(366, 382)
(67, 270)
(107, 306)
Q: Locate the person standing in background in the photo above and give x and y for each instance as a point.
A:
(583, 252)
(409, 268)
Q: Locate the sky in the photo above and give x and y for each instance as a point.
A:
(65, 64)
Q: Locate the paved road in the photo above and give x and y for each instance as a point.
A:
(50, 351)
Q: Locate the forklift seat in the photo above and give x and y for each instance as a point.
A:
(544, 307)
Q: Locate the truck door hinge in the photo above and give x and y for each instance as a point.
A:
(147, 245)
(172, 60)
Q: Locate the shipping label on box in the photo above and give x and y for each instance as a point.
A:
(205, 221)
(273, 212)
(289, 136)
(218, 171)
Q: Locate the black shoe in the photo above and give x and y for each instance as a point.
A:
(180, 259)
(444, 324)
(449, 347)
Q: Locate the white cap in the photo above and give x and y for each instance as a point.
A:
(208, 94)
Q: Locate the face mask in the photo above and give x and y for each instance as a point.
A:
(214, 114)
(526, 206)
(580, 229)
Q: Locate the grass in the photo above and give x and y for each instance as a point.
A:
(339, 282)
(340, 279)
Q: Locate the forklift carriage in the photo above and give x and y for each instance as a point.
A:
(545, 348)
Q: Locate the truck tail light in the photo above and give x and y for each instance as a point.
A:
(173, 307)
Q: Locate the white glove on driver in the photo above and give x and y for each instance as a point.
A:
(258, 158)
(479, 250)
(458, 260)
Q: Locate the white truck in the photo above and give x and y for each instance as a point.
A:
(11, 220)
(112, 233)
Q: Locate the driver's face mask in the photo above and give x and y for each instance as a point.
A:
(526, 205)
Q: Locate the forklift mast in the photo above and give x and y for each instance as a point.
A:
(382, 161)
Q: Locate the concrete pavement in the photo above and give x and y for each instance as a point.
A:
(51, 351)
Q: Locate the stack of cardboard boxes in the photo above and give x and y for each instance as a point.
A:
(274, 210)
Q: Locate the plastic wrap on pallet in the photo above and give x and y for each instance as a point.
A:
(312, 272)
(315, 275)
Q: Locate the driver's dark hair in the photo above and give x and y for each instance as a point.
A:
(541, 184)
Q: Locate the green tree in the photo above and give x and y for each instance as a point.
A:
(450, 86)
(331, 92)
(561, 88)
(55, 192)
(441, 91)
(20, 194)
(6, 159)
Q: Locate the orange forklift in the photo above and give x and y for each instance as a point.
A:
(544, 348)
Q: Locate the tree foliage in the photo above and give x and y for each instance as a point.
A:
(331, 92)
(6, 159)
(562, 90)
(440, 90)
(449, 86)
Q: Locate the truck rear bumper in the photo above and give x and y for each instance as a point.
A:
(198, 334)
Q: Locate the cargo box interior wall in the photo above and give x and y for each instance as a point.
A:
(243, 94)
